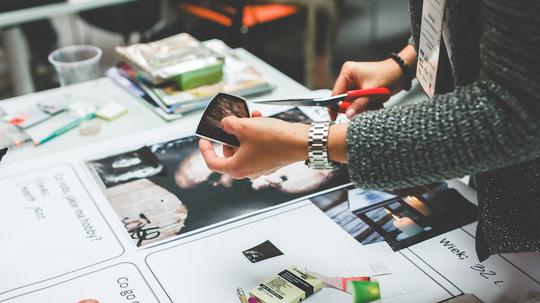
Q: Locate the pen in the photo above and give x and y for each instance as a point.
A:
(241, 295)
(64, 129)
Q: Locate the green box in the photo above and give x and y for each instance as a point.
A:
(204, 76)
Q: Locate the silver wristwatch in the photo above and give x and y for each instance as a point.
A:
(318, 147)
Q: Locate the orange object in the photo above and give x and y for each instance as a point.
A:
(252, 14)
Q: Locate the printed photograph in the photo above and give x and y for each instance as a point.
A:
(166, 189)
(3, 152)
(401, 218)
(223, 105)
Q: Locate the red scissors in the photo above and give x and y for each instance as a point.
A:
(342, 101)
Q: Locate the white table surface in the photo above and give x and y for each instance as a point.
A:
(139, 117)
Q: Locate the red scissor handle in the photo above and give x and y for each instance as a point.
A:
(377, 91)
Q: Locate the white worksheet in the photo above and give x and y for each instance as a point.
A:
(494, 280)
(118, 283)
(62, 242)
(51, 227)
(308, 240)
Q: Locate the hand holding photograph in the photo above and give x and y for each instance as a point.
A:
(223, 105)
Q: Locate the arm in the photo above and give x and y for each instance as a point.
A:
(491, 123)
(365, 75)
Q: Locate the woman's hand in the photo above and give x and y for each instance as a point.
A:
(363, 75)
(266, 144)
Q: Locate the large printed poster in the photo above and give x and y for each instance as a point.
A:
(165, 189)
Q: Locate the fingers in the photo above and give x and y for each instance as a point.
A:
(341, 85)
(363, 104)
(358, 106)
(343, 82)
(225, 166)
(228, 151)
(212, 160)
(230, 124)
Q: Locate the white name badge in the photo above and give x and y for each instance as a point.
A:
(430, 44)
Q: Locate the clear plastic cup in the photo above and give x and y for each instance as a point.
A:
(76, 63)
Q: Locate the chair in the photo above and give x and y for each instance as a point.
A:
(139, 16)
(243, 16)
(238, 16)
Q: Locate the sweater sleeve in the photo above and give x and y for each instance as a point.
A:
(491, 123)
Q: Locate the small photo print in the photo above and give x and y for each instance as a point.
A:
(400, 218)
(3, 152)
(165, 190)
(261, 252)
(223, 105)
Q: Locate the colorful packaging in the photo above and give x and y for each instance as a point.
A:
(289, 286)
(364, 291)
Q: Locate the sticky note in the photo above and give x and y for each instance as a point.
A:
(111, 111)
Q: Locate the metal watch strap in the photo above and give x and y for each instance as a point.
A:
(318, 146)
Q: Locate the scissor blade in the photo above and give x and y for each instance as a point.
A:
(300, 102)
(291, 102)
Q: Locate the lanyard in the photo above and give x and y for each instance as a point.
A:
(431, 28)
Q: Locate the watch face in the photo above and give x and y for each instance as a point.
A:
(223, 105)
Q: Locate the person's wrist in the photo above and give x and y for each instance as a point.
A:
(297, 142)
(337, 142)
(393, 75)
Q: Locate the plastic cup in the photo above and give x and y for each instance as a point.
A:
(76, 63)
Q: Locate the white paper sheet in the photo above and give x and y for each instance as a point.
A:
(308, 240)
(119, 283)
(494, 280)
(52, 259)
(51, 227)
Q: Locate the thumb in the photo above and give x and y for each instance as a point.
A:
(357, 106)
(230, 124)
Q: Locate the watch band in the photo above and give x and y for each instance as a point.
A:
(318, 146)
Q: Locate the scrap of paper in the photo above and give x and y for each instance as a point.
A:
(365, 288)
(263, 251)
(337, 282)
(364, 291)
(2, 153)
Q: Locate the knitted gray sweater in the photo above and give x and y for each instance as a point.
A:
(487, 124)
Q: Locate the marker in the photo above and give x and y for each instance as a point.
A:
(241, 295)
(64, 129)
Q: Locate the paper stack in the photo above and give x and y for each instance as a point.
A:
(171, 96)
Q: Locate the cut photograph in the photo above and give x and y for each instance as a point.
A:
(223, 105)
(166, 189)
(400, 218)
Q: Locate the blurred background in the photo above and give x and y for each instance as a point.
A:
(307, 40)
